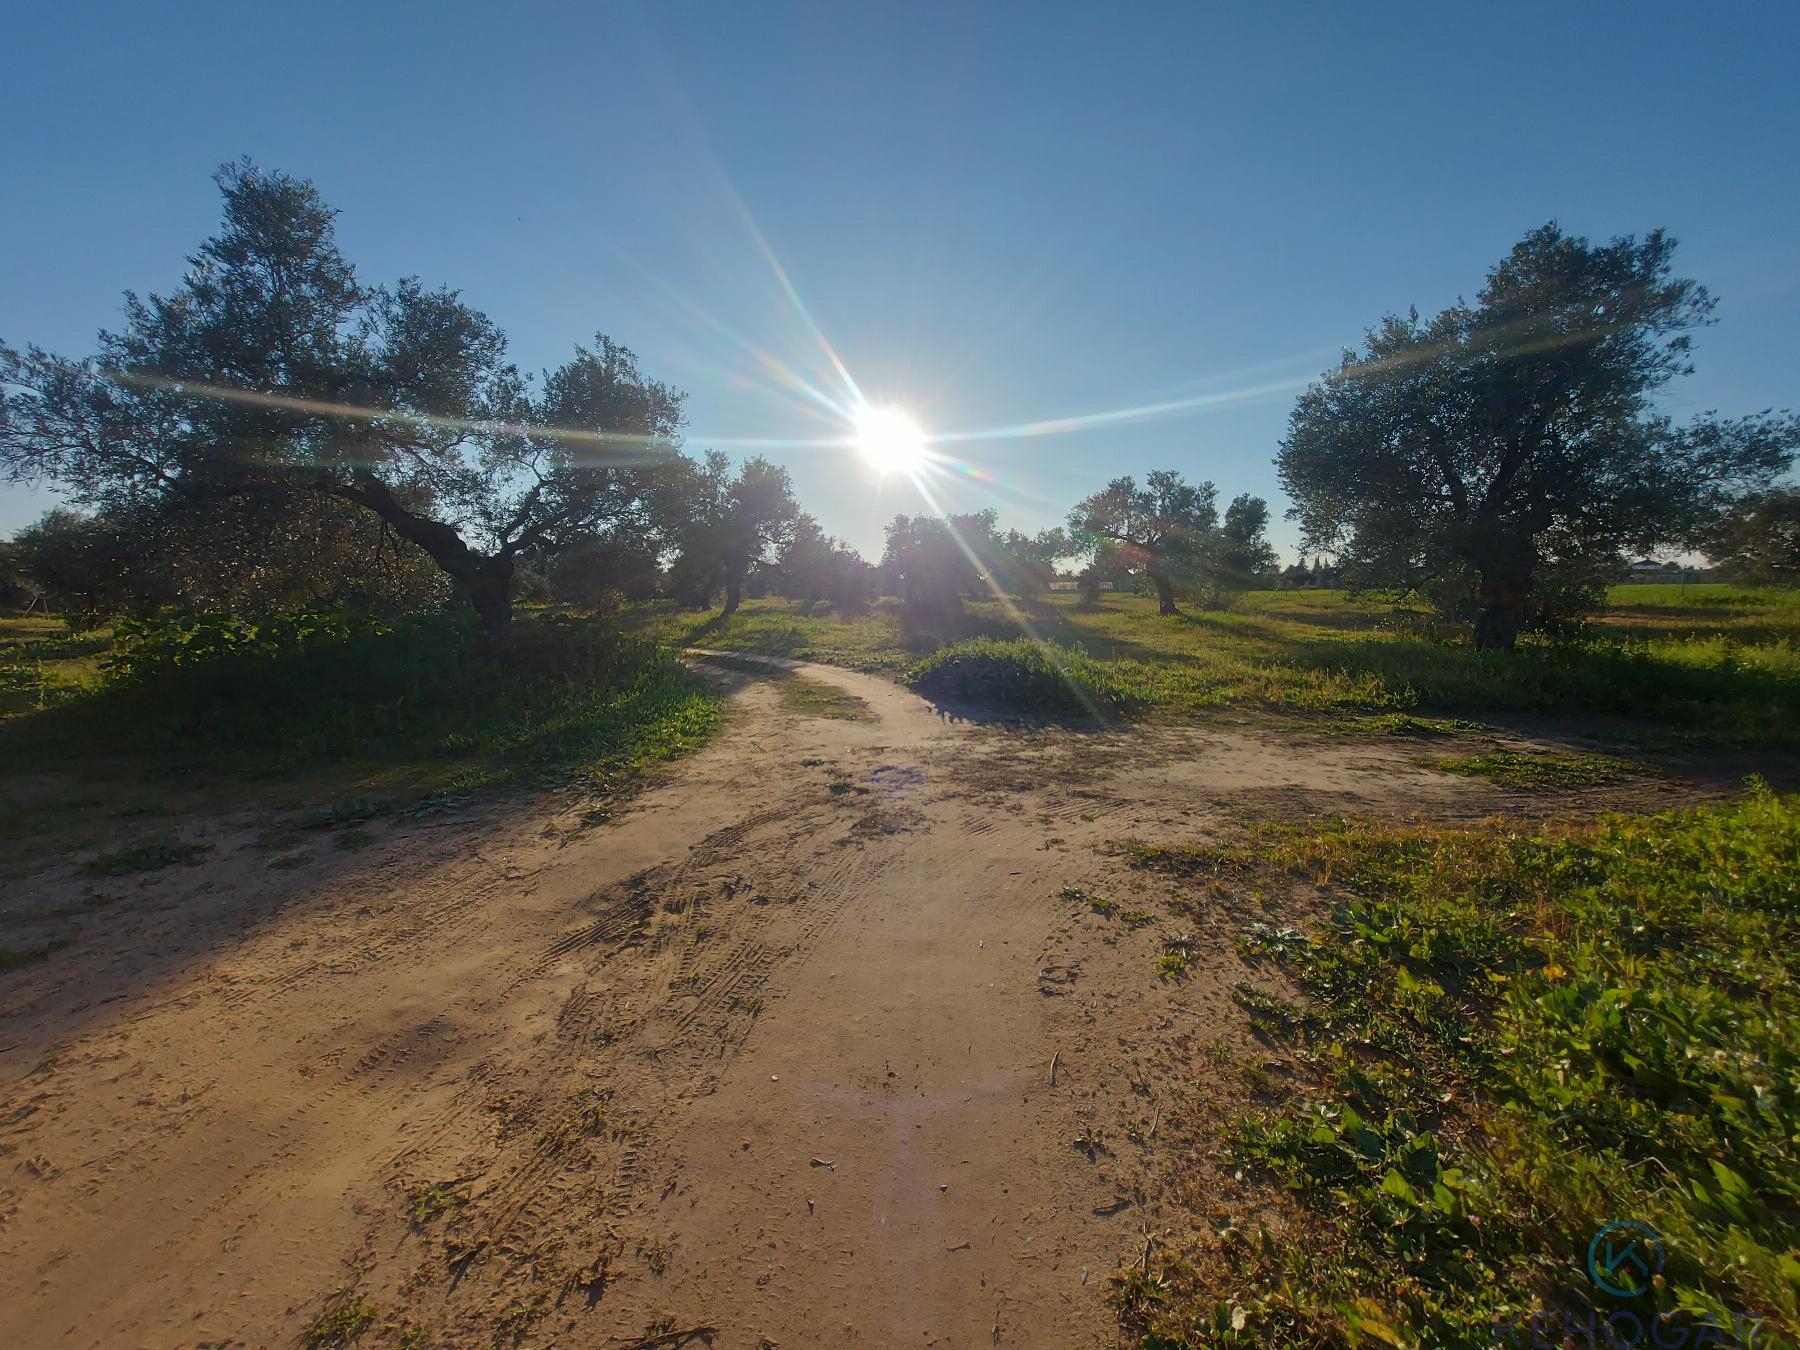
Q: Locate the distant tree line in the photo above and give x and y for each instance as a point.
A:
(275, 433)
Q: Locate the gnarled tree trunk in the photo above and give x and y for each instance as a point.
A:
(1165, 592)
(489, 589)
(484, 580)
(1503, 592)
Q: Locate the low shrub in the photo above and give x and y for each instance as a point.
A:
(1020, 675)
(291, 690)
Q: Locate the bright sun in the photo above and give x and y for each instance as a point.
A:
(890, 440)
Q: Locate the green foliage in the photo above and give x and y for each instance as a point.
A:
(729, 525)
(427, 1201)
(469, 461)
(1758, 541)
(1515, 1040)
(1169, 532)
(244, 549)
(931, 563)
(1029, 677)
(815, 567)
(43, 663)
(1537, 773)
(1505, 454)
(144, 650)
(275, 695)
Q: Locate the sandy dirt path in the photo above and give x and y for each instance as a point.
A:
(772, 1052)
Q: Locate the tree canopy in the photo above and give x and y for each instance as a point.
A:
(815, 566)
(1508, 452)
(730, 525)
(1758, 541)
(1168, 531)
(272, 364)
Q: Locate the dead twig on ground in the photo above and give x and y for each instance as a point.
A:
(672, 1338)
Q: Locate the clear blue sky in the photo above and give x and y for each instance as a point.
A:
(995, 214)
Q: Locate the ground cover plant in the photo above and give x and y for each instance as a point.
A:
(1534, 773)
(562, 696)
(1507, 1041)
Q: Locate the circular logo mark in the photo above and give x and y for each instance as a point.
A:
(1624, 1256)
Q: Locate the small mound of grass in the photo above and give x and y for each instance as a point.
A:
(1019, 675)
(815, 698)
(1421, 728)
(429, 1200)
(1535, 773)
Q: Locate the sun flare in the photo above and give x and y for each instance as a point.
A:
(890, 440)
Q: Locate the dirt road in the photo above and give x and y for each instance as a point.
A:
(808, 1046)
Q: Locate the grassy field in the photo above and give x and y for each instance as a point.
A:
(1712, 663)
(427, 719)
(105, 745)
(1502, 1043)
(42, 662)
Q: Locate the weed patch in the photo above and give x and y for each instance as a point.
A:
(1508, 1042)
(340, 1324)
(1535, 773)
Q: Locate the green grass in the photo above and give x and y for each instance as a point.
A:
(815, 698)
(1713, 664)
(880, 639)
(419, 715)
(1534, 772)
(800, 693)
(1508, 1041)
(428, 1201)
(42, 663)
(340, 1324)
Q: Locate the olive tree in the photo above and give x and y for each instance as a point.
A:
(729, 524)
(272, 363)
(1168, 531)
(1509, 451)
(1758, 540)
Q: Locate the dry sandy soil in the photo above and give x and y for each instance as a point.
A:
(806, 1046)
